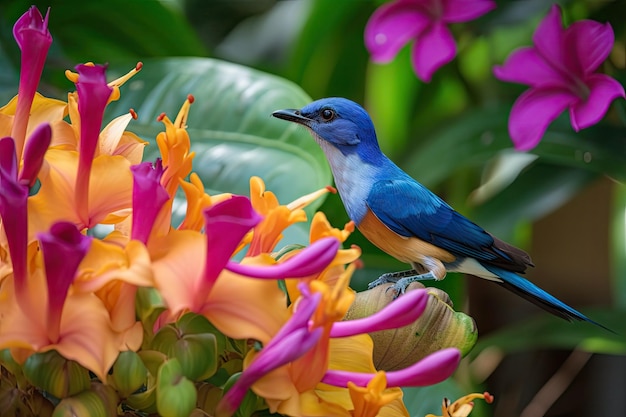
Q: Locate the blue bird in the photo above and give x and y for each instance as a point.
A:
(406, 220)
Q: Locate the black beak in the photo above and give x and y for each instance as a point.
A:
(292, 115)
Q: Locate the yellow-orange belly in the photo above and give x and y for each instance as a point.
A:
(406, 249)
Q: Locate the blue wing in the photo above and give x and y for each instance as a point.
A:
(410, 209)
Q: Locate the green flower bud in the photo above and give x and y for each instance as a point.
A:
(176, 395)
(438, 327)
(143, 401)
(128, 373)
(187, 341)
(108, 395)
(85, 404)
(56, 375)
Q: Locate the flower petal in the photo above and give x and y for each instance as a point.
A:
(527, 66)
(400, 312)
(63, 248)
(533, 111)
(463, 10)
(434, 48)
(391, 27)
(226, 223)
(549, 37)
(148, 198)
(603, 90)
(34, 151)
(309, 261)
(588, 44)
(34, 39)
(431, 370)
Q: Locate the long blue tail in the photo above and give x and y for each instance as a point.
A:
(526, 289)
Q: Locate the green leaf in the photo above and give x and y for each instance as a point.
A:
(115, 29)
(230, 124)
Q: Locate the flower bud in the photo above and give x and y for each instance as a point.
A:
(437, 328)
(85, 404)
(188, 341)
(129, 373)
(176, 395)
(56, 375)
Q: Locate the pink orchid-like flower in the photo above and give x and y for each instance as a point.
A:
(561, 72)
(425, 22)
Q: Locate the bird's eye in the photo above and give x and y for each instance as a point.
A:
(328, 115)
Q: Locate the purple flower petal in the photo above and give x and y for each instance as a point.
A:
(433, 369)
(8, 159)
(391, 27)
(32, 35)
(527, 66)
(290, 343)
(456, 11)
(63, 248)
(603, 90)
(226, 224)
(533, 111)
(148, 198)
(549, 37)
(588, 44)
(35, 149)
(400, 312)
(434, 48)
(311, 260)
(13, 212)
(93, 95)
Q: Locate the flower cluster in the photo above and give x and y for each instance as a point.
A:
(159, 318)
(560, 68)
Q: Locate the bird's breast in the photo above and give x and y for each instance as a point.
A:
(405, 249)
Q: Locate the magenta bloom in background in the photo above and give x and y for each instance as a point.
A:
(560, 70)
(425, 22)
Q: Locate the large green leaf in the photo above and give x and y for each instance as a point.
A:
(104, 31)
(230, 124)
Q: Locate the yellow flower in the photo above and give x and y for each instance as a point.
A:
(463, 406)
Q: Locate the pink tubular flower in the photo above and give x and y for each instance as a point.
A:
(148, 198)
(93, 95)
(560, 70)
(63, 248)
(424, 21)
(32, 36)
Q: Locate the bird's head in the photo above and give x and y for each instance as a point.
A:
(337, 121)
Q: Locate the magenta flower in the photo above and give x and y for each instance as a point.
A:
(425, 22)
(32, 36)
(149, 196)
(431, 370)
(63, 248)
(291, 342)
(560, 70)
(13, 212)
(93, 96)
(298, 337)
(34, 152)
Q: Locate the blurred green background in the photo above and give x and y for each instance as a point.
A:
(564, 202)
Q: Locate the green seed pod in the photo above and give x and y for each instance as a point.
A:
(56, 375)
(129, 373)
(438, 327)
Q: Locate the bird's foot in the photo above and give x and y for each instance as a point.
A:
(401, 280)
